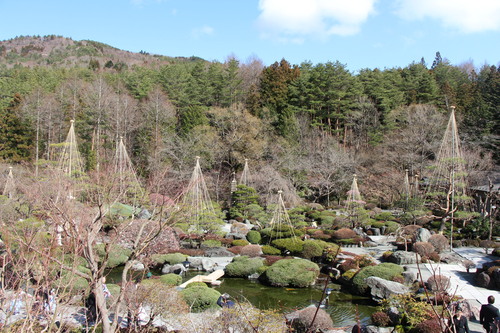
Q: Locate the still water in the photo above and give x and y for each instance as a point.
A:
(345, 309)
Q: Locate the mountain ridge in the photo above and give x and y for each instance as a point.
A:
(53, 50)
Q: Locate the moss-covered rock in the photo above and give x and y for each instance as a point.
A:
(200, 298)
(270, 250)
(387, 271)
(244, 266)
(292, 272)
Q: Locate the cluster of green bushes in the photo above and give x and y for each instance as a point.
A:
(292, 272)
(170, 258)
(387, 271)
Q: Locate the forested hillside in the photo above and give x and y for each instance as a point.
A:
(304, 128)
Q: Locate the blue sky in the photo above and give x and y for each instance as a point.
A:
(358, 33)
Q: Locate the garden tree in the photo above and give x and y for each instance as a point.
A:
(384, 88)
(16, 134)
(241, 134)
(98, 97)
(215, 73)
(364, 124)
(268, 181)
(333, 96)
(175, 80)
(249, 74)
(232, 92)
(243, 197)
(190, 117)
(449, 80)
(198, 85)
(140, 81)
(437, 60)
(489, 85)
(77, 259)
(124, 116)
(274, 91)
(419, 84)
(160, 118)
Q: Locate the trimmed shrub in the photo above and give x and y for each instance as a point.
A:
(391, 227)
(428, 326)
(380, 319)
(282, 231)
(293, 245)
(239, 242)
(270, 250)
(251, 250)
(254, 237)
(440, 242)
(384, 216)
(434, 256)
(292, 272)
(322, 320)
(235, 249)
(438, 283)
(243, 266)
(171, 279)
(200, 298)
(348, 264)
(171, 258)
(423, 248)
(315, 248)
(344, 233)
(197, 284)
(269, 260)
(385, 271)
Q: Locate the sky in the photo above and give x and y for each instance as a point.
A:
(358, 33)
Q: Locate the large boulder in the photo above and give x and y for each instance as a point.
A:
(409, 277)
(404, 258)
(381, 289)
(422, 235)
(218, 252)
(483, 280)
(301, 320)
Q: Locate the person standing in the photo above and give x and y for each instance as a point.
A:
(460, 322)
(488, 316)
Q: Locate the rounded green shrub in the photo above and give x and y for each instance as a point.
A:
(200, 298)
(171, 279)
(293, 245)
(292, 272)
(244, 266)
(240, 242)
(385, 271)
(282, 231)
(315, 248)
(391, 227)
(254, 237)
(270, 250)
(170, 258)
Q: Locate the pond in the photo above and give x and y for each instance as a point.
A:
(345, 309)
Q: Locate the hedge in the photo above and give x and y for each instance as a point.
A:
(293, 245)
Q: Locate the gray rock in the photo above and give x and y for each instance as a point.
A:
(137, 266)
(404, 258)
(376, 329)
(218, 252)
(409, 277)
(495, 278)
(381, 289)
(422, 235)
(254, 276)
(176, 269)
(375, 231)
(483, 280)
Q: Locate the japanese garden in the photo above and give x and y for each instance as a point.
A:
(146, 193)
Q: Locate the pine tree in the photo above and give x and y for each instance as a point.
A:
(16, 136)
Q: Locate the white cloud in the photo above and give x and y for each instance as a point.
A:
(464, 15)
(293, 20)
(202, 31)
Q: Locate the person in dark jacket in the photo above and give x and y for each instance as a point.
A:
(460, 322)
(488, 316)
